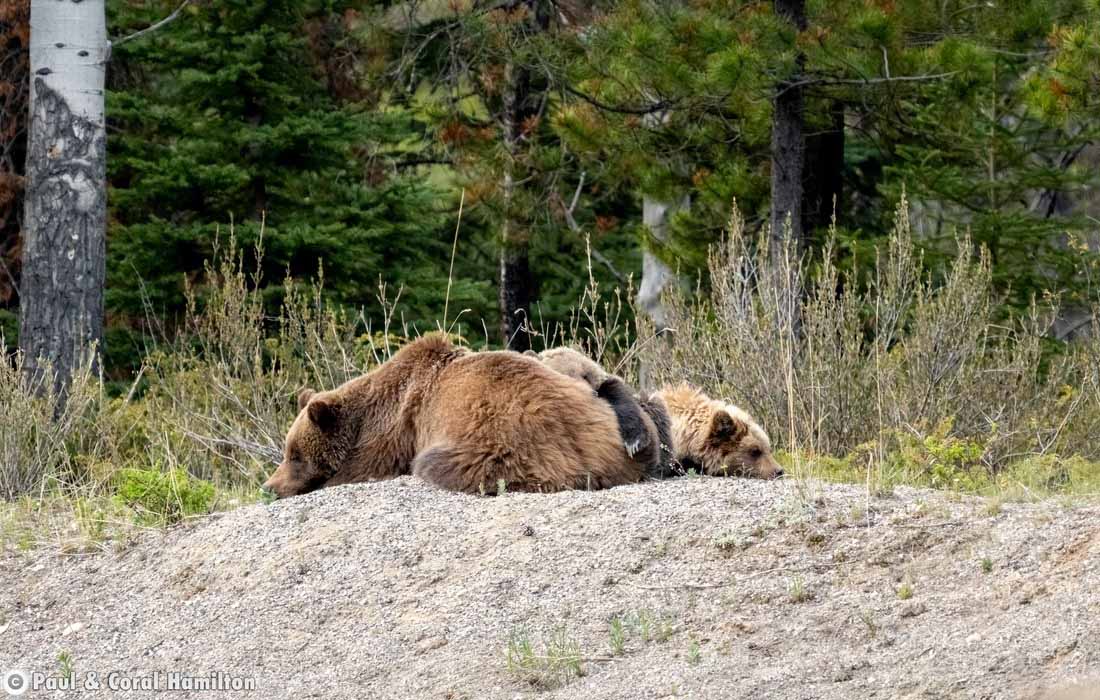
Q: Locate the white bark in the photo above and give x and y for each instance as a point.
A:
(69, 52)
(656, 275)
(61, 304)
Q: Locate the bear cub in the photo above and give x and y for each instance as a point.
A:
(643, 420)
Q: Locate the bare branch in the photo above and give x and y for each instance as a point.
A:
(867, 81)
(659, 106)
(577, 194)
(152, 27)
(575, 227)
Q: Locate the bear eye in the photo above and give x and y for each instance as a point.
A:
(756, 453)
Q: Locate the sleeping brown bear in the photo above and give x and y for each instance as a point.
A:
(717, 438)
(462, 420)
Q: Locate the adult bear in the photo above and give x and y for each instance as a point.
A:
(465, 421)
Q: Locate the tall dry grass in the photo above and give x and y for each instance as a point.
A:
(902, 366)
(831, 363)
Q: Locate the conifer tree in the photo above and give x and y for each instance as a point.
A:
(240, 113)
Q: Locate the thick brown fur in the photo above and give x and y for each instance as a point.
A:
(462, 420)
(574, 363)
(643, 421)
(717, 438)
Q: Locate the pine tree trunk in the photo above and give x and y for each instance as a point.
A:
(518, 286)
(823, 172)
(64, 250)
(656, 275)
(788, 152)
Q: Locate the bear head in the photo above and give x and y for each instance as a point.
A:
(717, 438)
(315, 446)
(575, 364)
(736, 446)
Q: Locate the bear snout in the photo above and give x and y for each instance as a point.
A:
(276, 485)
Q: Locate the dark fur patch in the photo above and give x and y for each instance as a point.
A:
(666, 465)
(725, 431)
(633, 426)
(324, 414)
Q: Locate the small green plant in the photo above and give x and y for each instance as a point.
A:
(664, 630)
(520, 654)
(164, 496)
(617, 636)
(560, 662)
(564, 652)
(65, 662)
(868, 619)
(993, 507)
(727, 542)
(987, 565)
(643, 623)
(90, 519)
(905, 591)
(694, 653)
(797, 591)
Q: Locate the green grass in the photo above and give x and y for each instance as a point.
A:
(797, 591)
(950, 465)
(552, 664)
(905, 591)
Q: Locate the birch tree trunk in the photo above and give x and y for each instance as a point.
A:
(656, 275)
(64, 250)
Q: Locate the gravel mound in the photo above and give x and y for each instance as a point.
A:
(695, 588)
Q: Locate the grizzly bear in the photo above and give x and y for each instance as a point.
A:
(643, 420)
(716, 438)
(466, 421)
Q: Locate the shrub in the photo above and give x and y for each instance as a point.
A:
(164, 496)
(44, 435)
(831, 362)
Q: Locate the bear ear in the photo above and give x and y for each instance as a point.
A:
(323, 412)
(726, 430)
(304, 396)
(530, 353)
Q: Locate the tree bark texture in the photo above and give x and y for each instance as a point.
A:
(518, 287)
(656, 274)
(788, 149)
(64, 251)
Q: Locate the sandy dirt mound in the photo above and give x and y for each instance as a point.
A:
(696, 588)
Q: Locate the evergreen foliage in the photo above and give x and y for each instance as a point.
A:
(225, 120)
(348, 131)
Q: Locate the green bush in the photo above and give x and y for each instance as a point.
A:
(164, 496)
